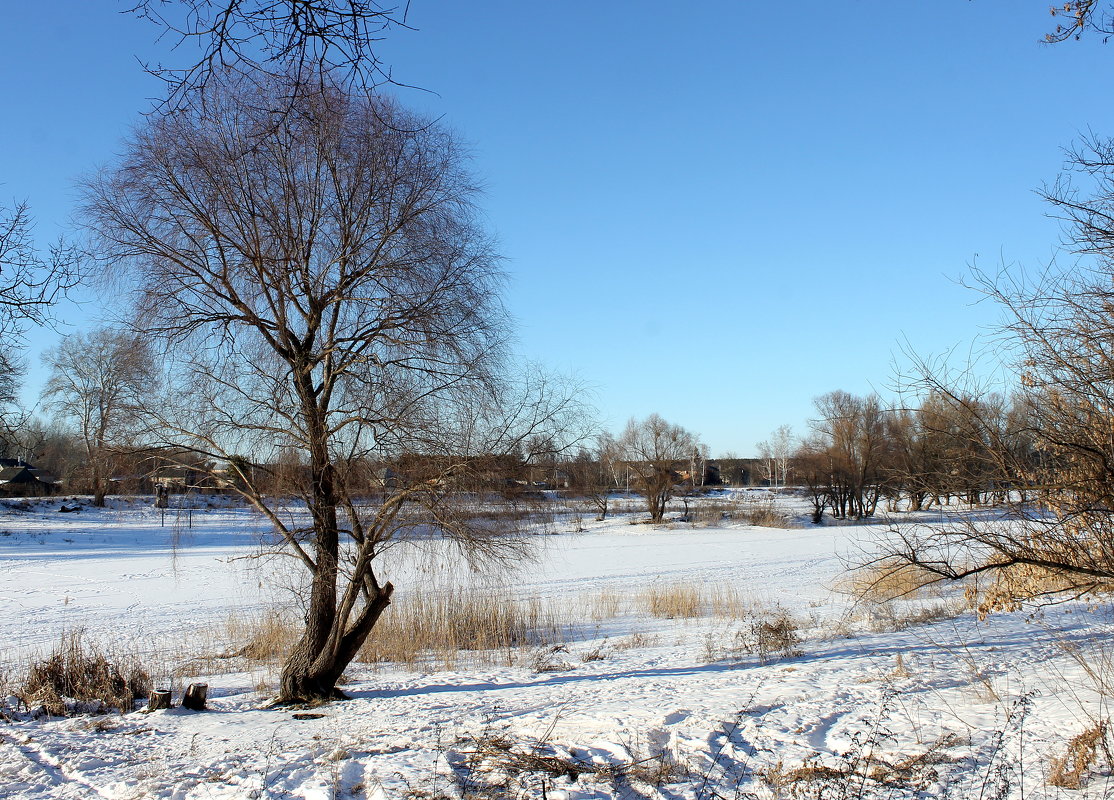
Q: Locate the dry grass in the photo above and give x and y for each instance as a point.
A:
(688, 601)
(77, 677)
(439, 626)
(886, 581)
(758, 508)
(761, 510)
(672, 601)
(605, 604)
(1069, 770)
(267, 636)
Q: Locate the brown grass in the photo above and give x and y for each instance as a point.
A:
(267, 636)
(78, 677)
(1082, 752)
(688, 601)
(760, 510)
(441, 625)
(885, 581)
(672, 601)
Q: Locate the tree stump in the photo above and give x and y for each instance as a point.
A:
(194, 698)
(160, 698)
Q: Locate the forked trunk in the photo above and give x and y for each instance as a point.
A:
(314, 666)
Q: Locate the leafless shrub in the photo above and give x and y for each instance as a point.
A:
(494, 765)
(776, 637)
(598, 653)
(1069, 770)
(886, 617)
(548, 659)
(712, 512)
(77, 678)
(635, 641)
(753, 508)
(772, 636)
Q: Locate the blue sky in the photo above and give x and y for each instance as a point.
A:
(714, 211)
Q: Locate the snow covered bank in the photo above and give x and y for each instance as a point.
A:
(631, 706)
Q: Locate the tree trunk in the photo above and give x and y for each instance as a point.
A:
(160, 698)
(310, 675)
(195, 696)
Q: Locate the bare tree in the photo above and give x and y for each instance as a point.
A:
(654, 450)
(31, 281)
(323, 286)
(100, 381)
(594, 472)
(1055, 441)
(850, 436)
(262, 38)
(776, 454)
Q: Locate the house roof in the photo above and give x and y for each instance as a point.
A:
(25, 475)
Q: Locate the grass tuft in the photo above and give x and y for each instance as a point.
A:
(77, 677)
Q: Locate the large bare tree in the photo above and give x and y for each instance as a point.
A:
(261, 38)
(323, 286)
(655, 450)
(99, 382)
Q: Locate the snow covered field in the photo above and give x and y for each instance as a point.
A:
(907, 700)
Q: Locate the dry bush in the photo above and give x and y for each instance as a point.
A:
(440, 625)
(712, 512)
(493, 765)
(860, 772)
(1082, 752)
(77, 677)
(634, 641)
(887, 617)
(759, 509)
(776, 637)
(773, 635)
(549, 659)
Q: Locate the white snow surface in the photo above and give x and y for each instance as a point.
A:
(642, 707)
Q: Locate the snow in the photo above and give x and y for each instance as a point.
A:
(637, 705)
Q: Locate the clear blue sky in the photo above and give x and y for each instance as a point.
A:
(714, 211)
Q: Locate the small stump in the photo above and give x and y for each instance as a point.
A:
(194, 698)
(160, 698)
